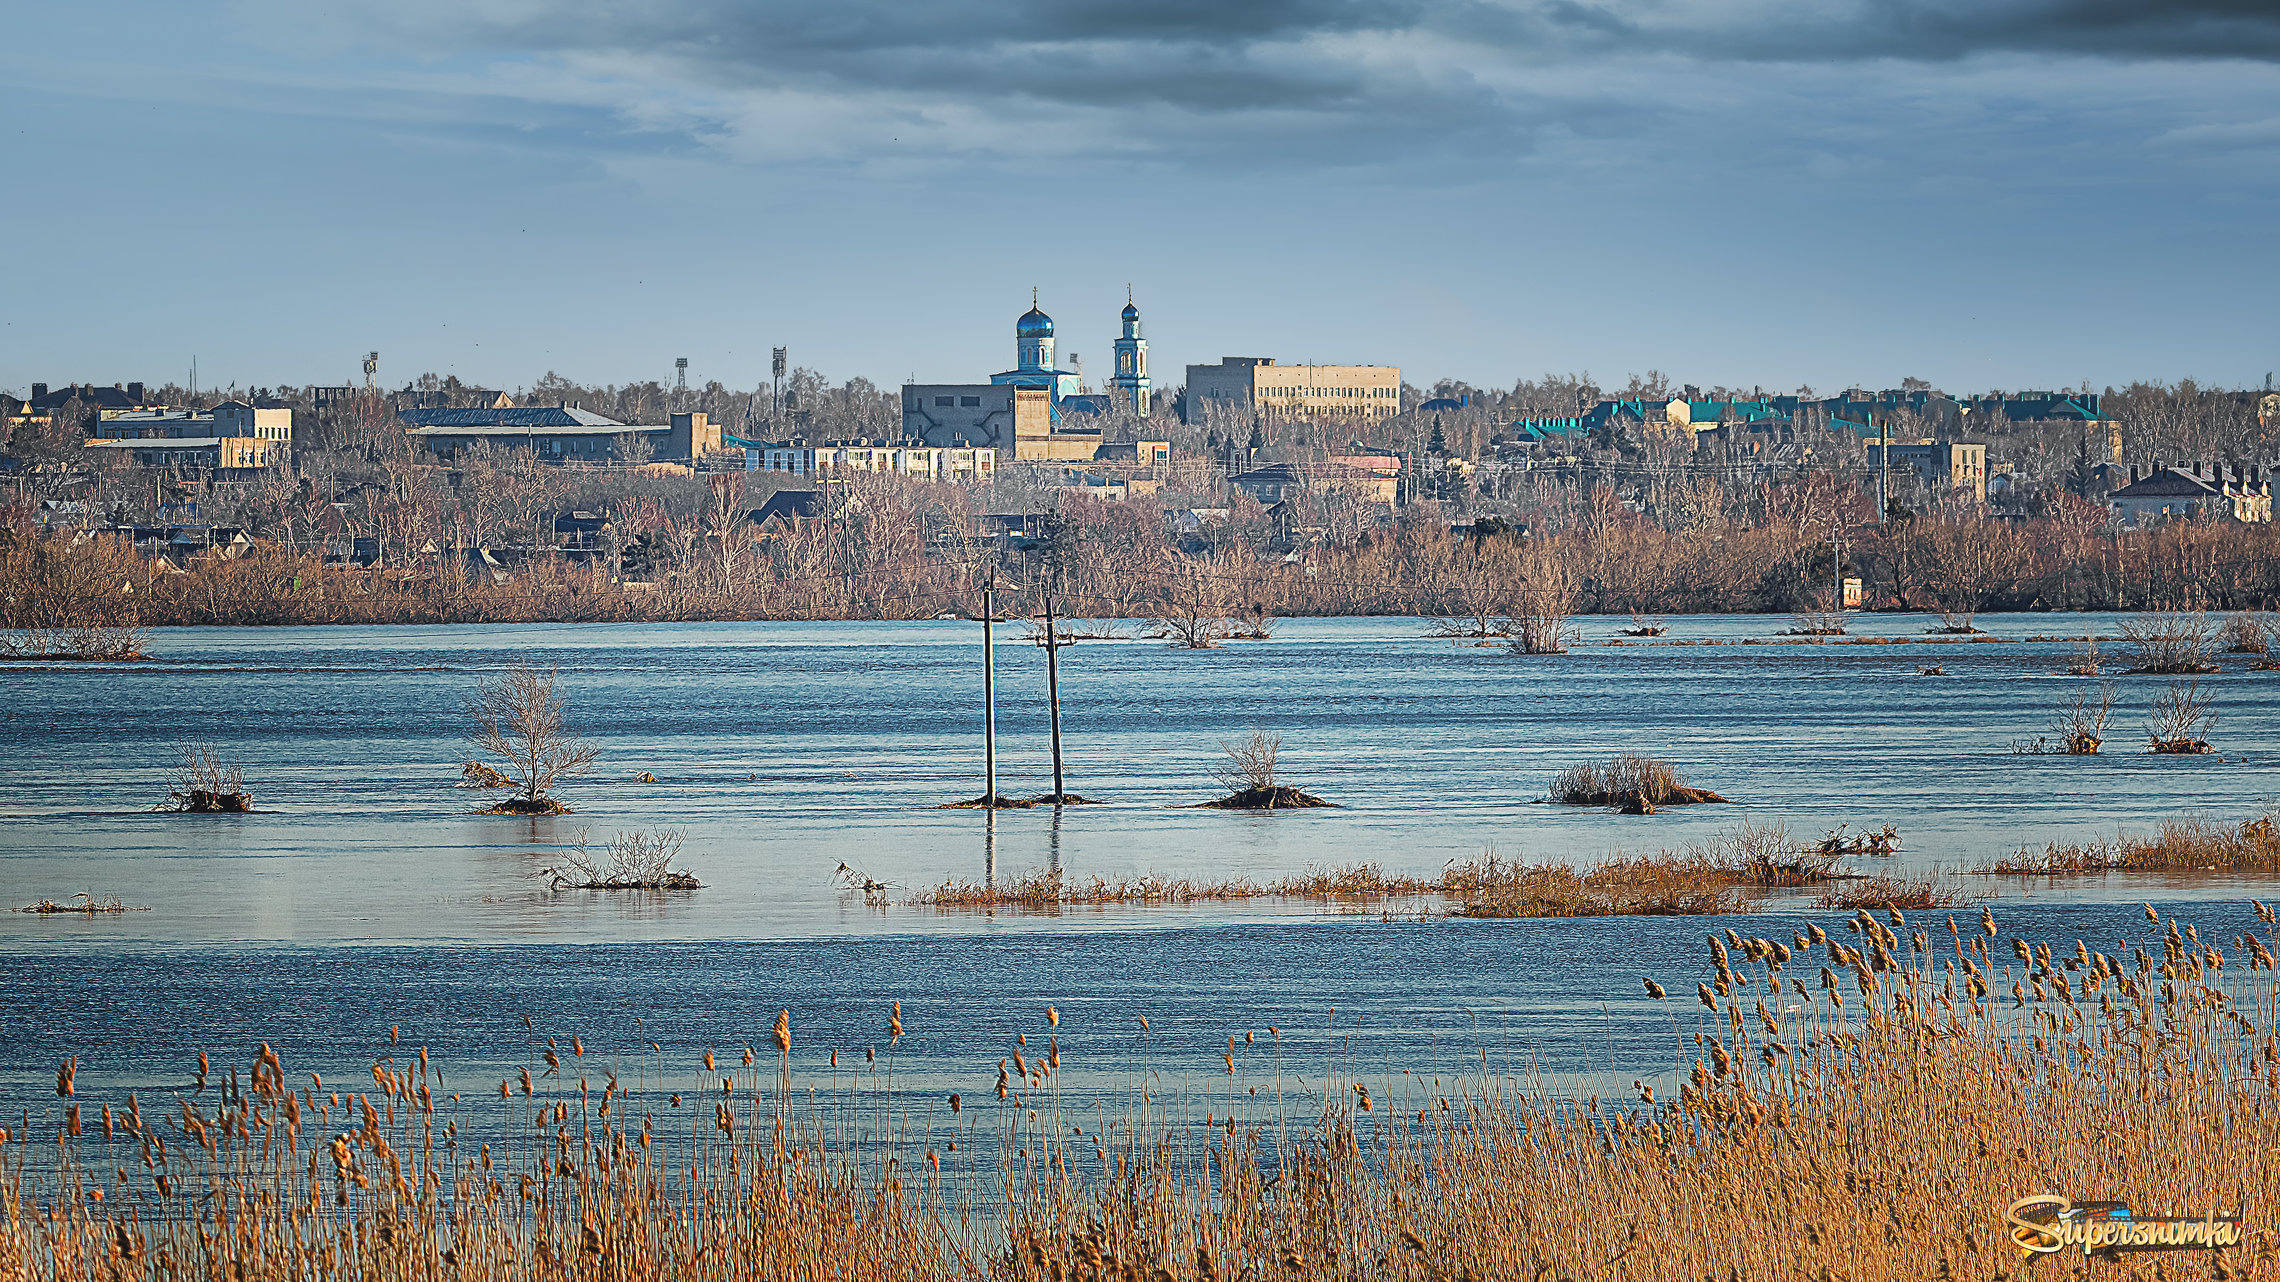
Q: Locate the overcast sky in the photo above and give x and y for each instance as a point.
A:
(1985, 193)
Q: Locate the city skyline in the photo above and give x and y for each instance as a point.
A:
(2018, 195)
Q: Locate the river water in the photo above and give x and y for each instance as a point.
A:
(363, 895)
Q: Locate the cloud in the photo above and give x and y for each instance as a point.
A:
(1271, 85)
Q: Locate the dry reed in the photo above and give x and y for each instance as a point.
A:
(1630, 782)
(2183, 844)
(1872, 1124)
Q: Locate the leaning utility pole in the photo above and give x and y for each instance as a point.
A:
(989, 692)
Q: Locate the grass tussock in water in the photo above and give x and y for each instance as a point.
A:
(1630, 782)
(83, 904)
(2184, 844)
(1870, 1121)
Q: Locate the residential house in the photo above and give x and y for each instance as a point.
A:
(2198, 493)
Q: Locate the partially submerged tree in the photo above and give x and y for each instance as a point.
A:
(518, 721)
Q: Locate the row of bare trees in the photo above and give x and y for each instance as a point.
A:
(892, 548)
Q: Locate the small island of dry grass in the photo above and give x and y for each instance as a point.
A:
(82, 904)
(1631, 783)
(1721, 876)
(1887, 892)
(2185, 844)
(1254, 781)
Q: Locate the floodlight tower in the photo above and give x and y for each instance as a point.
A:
(371, 368)
(776, 386)
(680, 380)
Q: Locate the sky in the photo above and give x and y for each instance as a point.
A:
(1984, 193)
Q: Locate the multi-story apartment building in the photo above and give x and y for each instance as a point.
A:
(1248, 387)
(968, 464)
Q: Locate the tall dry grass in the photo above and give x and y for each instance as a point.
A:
(1858, 1105)
(2180, 844)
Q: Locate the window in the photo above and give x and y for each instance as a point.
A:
(970, 402)
(944, 400)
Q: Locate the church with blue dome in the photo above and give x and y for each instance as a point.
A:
(1033, 358)
(1031, 410)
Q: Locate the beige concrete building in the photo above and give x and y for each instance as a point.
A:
(1243, 387)
(1941, 465)
(233, 437)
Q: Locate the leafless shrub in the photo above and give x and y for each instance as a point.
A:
(2081, 729)
(2085, 661)
(1250, 763)
(1645, 625)
(2245, 633)
(2171, 641)
(204, 783)
(1192, 608)
(1253, 777)
(632, 861)
(2182, 718)
(518, 720)
(1817, 623)
(1254, 622)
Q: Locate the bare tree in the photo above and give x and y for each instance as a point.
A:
(1192, 606)
(2082, 728)
(518, 719)
(2182, 718)
(1544, 621)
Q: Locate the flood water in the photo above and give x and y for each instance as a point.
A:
(365, 895)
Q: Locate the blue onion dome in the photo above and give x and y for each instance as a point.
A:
(1033, 324)
(1131, 312)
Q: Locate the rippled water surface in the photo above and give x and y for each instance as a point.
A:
(364, 894)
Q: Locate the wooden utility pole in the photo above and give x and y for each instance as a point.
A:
(989, 692)
(1883, 462)
(1053, 691)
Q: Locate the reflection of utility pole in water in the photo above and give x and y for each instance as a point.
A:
(1053, 843)
(989, 849)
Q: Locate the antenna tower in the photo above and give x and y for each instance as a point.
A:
(680, 378)
(371, 368)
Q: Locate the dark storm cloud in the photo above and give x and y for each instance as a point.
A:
(1208, 78)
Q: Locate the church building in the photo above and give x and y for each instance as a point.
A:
(1022, 412)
